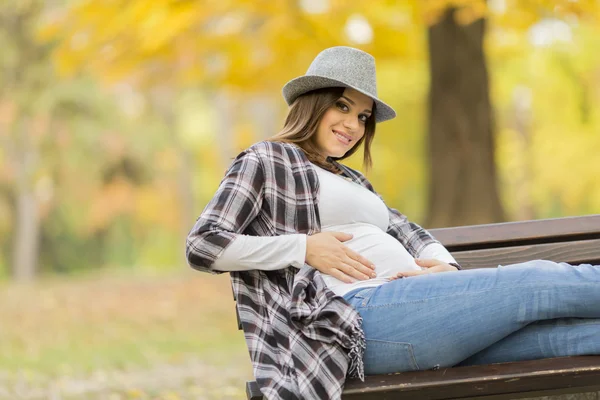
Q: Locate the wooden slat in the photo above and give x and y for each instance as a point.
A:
(538, 231)
(577, 252)
(252, 391)
(583, 393)
(571, 374)
(496, 381)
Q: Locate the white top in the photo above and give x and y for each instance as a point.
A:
(344, 206)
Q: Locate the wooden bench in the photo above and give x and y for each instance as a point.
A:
(575, 240)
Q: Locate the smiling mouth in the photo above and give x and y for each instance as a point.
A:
(342, 137)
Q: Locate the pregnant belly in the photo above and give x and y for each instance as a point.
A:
(388, 254)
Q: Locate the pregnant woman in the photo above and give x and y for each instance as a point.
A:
(330, 282)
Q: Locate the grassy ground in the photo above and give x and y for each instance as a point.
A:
(121, 336)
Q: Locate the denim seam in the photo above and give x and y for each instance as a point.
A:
(583, 321)
(364, 299)
(367, 307)
(408, 347)
(360, 295)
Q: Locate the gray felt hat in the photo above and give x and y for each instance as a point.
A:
(340, 67)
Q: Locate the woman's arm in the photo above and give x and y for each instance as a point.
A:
(265, 253)
(237, 202)
(325, 253)
(413, 237)
(438, 252)
(418, 241)
(234, 206)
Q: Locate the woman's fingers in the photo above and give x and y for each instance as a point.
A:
(338, 274)
(414, 273)
(368, 272)
(349, 271)
(341, 236)
(355, 270)
(427, 262)
(358, 258)
(360, 263)
(438, 268)
(326, 252)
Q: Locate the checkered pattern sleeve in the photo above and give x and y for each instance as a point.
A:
(412, 236)
(236, 203)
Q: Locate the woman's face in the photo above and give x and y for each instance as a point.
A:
(343, 124)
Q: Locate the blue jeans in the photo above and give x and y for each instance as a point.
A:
(538, 309)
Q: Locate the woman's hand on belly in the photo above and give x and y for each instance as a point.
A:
(431, 266)
(326, 253)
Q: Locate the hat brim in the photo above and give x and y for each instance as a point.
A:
(307, 83)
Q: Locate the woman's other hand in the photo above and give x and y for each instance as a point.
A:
(327, 253)
(431, 266)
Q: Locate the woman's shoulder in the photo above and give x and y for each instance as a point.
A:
(268, 145)
(281, 151)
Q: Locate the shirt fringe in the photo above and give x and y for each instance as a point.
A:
(356, 369)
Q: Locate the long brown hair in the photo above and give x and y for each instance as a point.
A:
(303, 120)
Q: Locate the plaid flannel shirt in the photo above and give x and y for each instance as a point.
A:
(303, 339)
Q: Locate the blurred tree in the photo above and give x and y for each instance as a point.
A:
(56, 157)
(463, 183)
(462, 180)
(255, 46)
(23, 77)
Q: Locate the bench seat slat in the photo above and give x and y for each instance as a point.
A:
(495, 381)
(484, 380)
(513, 233)
(577, 252)
(252, 391)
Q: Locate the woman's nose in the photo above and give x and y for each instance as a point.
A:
(351, 122)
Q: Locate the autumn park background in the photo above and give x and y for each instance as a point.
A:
(118, 119)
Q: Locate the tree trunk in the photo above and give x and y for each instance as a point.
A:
(463, 183)
(27, 224)
(26, 238)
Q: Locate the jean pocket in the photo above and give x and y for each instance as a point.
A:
(363, 297)
(384, 357)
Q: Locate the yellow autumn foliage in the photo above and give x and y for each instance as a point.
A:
(250, 47)
(256, 45)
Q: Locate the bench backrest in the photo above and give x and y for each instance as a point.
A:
(575, 240)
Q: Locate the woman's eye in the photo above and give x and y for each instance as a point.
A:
(342, 106)
(363, 117)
